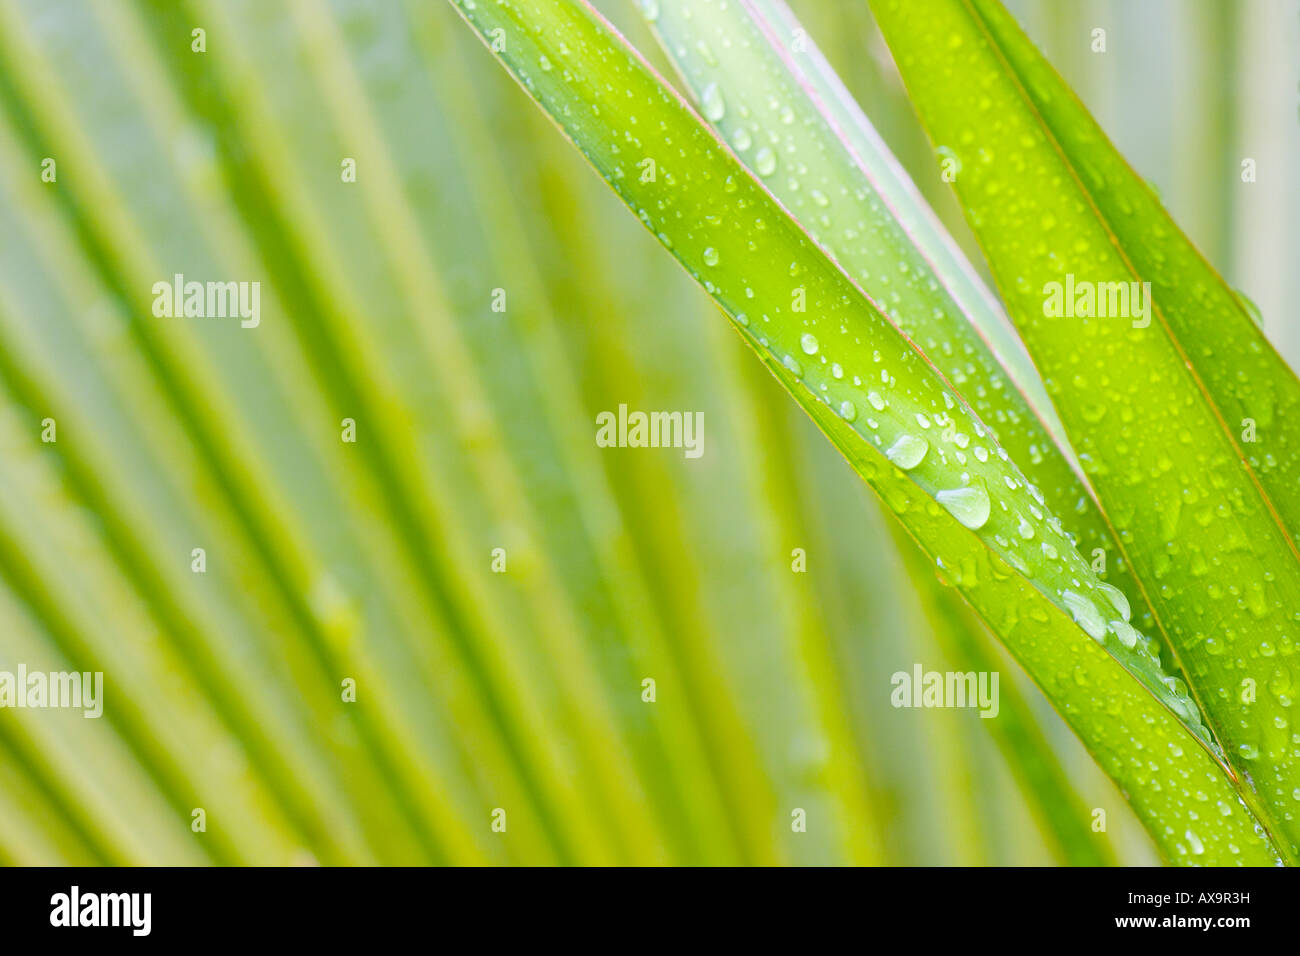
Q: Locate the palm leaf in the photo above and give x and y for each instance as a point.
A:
(577, 71)
(1206, 518)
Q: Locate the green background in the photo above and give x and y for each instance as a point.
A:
(371, 561)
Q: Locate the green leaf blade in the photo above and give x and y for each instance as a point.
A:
(1205, 534)
(730, 234)
(846, 190)
(1176, 789)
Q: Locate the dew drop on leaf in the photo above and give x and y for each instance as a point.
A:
(968, 505)
(711, 100)
(1251, 308)
(1085, 614)
(1117, 600)
(1125, 632)
(907, 451)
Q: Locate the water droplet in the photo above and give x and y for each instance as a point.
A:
(1256, 601)
(710, 256)
(711, 100)
(808, 343)
(968, 505)
(1085, 614)
(650, 9)
(876, 401)
(765, 161)
(848, 411)
(1251, 308)
(907, 451)
(1117, 599)
(1126, 634)
(741, 139)
(793, 365)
